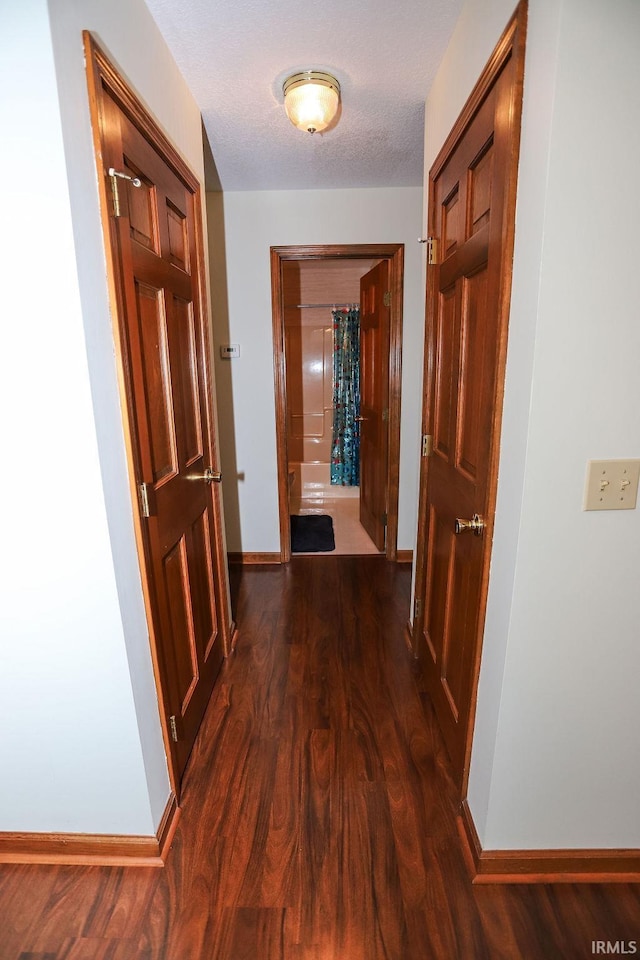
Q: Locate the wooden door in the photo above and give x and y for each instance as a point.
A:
(152, 202)
(471, 215)
(374, 401)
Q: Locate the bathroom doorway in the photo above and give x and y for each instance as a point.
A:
(312, 286)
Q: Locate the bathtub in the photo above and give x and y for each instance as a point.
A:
(312, 481)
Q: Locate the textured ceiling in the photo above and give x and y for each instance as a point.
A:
(235, 55)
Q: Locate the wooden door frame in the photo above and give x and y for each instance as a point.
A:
(510, 45)
(102, 75)
(394, 254)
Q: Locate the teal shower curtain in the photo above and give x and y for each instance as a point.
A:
(345, 451)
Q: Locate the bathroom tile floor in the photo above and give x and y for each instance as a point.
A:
(351, 537)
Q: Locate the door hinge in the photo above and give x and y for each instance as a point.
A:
(120, 208)
(417, 607)
(385, 414)
(174, 729)
(387, 298)
(433, 250)
(116, 199)
(427, 444)
(143, 492)
(384, 519)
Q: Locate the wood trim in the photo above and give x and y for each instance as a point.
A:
(394, 253)
(80, 848)
(250, 558)
(234, 639)
(404, 556)
(396, 285)
(168, 824)
(511, 39)
(544, 866)
(93, 849)
(511, 45)
(471, 849)
(333, 251)
(280, 381)
(100, 68)
(408, 637)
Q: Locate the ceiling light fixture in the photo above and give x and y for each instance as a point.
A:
(311, 100)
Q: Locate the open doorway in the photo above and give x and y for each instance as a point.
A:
(311, 287)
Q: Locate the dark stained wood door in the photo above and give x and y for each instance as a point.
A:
(374, 394)
(164, 341)
(471, 214)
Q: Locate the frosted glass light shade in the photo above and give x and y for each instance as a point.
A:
(311, 100)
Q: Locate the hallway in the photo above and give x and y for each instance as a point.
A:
(318, 814)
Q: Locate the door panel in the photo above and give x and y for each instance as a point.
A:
(471, 213)
(374, 393)
(163, 339)
(445, 379)
(477, 349)
(185, 350)
(154, 359)
(175, 567)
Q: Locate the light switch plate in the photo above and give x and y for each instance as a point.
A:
(611, 484)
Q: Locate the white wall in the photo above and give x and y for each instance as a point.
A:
(129, 36)
(570, 703)
(555, 761)
(86, 751)
(70, 755)
(253, 222)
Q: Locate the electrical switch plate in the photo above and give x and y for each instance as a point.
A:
(611, 484)
(228, 351)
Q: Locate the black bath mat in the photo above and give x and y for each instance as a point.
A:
(312, 533)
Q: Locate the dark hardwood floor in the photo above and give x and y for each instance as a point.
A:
(318, 813)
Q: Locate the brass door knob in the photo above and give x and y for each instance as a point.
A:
(359, 419)
(212, 476)
(209, 476)
(475, 525)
